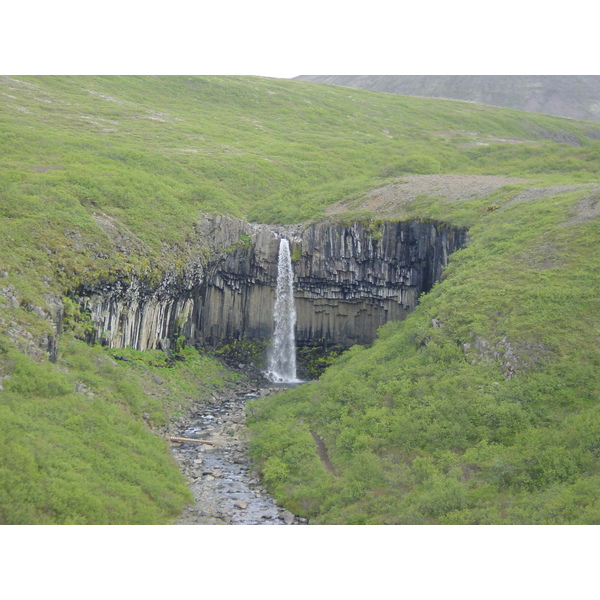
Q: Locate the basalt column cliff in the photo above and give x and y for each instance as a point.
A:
(348, 281)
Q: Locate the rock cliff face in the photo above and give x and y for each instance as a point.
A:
(352, 280)
(349, 280)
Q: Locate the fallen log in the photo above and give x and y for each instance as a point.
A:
(178, 439)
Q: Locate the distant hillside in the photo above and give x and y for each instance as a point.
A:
(574, 96)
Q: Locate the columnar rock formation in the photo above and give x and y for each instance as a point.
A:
(352, 280)
(349, 280)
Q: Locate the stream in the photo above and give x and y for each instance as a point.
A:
(227, 491)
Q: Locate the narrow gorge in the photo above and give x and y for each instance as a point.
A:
(348, 281)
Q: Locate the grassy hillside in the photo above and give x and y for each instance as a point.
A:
(75, 437)
(106, 175)
(480, 408)
(83, 155)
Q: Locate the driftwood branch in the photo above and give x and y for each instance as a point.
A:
(178, 439)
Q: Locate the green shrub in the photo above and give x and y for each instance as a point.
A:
(416, 163)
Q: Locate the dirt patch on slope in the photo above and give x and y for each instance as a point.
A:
(323, 455)
(588, 208)
(388, 198)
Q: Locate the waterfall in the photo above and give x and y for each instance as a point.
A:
(282, 354)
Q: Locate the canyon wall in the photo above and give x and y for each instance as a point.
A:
(348, 280)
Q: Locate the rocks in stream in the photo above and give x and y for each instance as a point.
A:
(226, 489)
(287, 517)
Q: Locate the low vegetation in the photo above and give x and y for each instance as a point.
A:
(80, 441)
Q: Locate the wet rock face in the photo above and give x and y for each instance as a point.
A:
(348, 281)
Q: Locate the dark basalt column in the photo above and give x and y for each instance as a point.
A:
(348, 281)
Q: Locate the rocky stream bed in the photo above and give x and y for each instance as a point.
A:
(227, 490)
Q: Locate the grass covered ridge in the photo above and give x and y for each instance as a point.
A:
(104, 174)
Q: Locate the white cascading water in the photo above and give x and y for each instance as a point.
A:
(282, 354)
